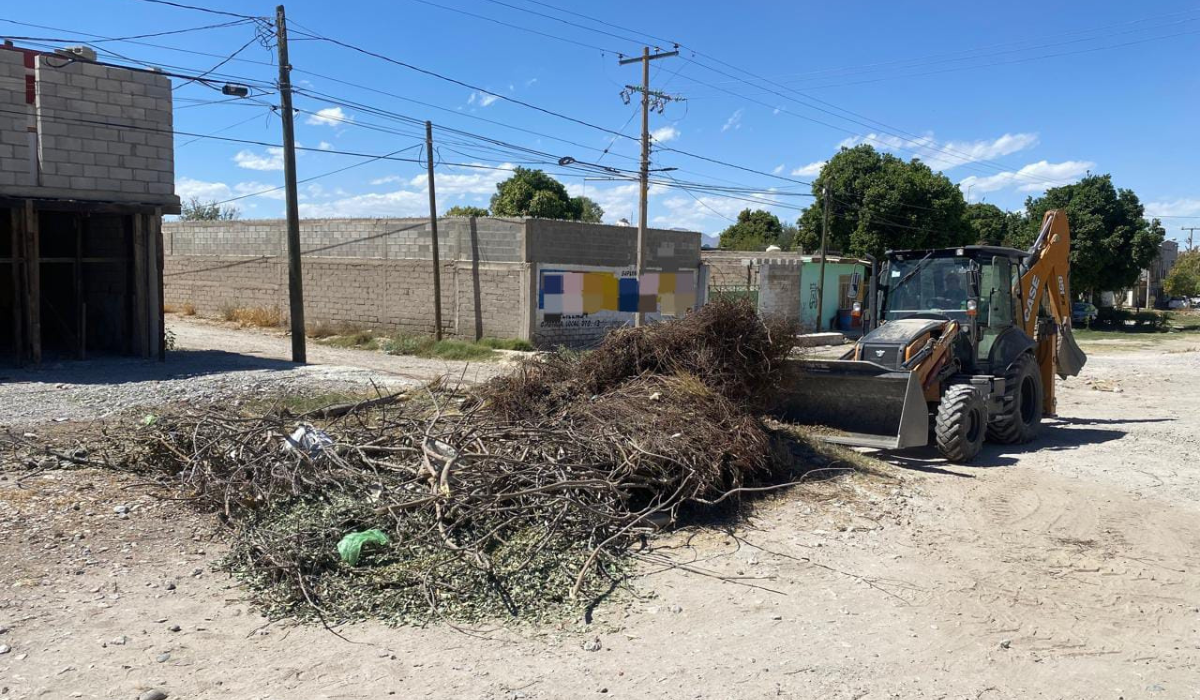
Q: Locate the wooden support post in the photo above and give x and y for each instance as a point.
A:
(153, 296)
(78, 222)
(159, 265)
(33, 282)
(19, 309)
(140, 331)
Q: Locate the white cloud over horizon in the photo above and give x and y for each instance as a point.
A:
(329, 116)
(664, 134)
(1034, 177)
(811, 170)
(945, 155)
(271, 160)
(735, 121)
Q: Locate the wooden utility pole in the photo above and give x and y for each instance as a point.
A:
(824, 253)
(433, 232)
(644, 175)
(1190, 230)
(295, 276)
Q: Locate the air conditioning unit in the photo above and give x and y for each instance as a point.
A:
(85, 53)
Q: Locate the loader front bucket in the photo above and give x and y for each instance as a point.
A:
(1071, 357)
(868, 405)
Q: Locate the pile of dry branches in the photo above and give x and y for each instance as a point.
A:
(518, 498)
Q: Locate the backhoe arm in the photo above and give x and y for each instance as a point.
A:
(1046, 275)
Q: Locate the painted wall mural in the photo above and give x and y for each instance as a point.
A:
(605, 297)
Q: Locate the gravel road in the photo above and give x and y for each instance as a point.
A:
(212, 362)
(1069, 568)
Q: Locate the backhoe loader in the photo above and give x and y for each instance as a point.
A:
(963, 345)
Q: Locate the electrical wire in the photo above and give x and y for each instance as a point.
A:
(601, 49)
(201, 9)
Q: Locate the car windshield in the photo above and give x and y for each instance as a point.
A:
(924, 285)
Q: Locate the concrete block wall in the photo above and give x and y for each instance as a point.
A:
(376, 272)
(571, 242)
(14, 138)
(459, 238)
(103, 133)
(779, 289)
(727, 268)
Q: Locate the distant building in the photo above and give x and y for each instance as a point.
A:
(87, 170)
(1153, 278)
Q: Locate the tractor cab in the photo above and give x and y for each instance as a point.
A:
(971, 285)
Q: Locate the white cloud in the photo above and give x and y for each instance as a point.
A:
(325, 146)
(734, 122)
(187, 188)
(245, 188)
(271, 160)
(530, 82)
(778, 169)
(330, 116)
(398, 203)
(1186, 206)
(386, 179)
(810, 170)
(484, 99)
(666, 133)
(1034, 177)
(944, 155)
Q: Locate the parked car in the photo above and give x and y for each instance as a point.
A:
(1178, 303)
(1083, 313)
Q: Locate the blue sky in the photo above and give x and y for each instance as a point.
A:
(1004, 101)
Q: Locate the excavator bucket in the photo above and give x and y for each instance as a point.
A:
(1071, 357)
(866, 404)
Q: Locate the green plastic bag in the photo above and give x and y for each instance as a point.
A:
(351, 545)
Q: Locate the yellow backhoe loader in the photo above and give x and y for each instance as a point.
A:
(964, 345)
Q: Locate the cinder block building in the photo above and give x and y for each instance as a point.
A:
(86, 174)
(547, 281)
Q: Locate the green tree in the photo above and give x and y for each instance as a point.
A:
(588, 210)
(880, 202)
(754, 230)
(466, 211)
(197, 210)
(1184, 278)
(991, 225)
(534, 193)
(1111, 240)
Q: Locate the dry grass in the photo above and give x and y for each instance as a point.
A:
(187, 308)
(258, 316)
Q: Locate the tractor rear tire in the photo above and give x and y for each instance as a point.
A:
(1020, 416)
(961, 423)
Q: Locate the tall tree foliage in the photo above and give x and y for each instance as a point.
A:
(534, 193)
(466, 211)
(196, 209)
(1184, 278)
(754, 230)
(880, 202)
(1111, 240)
(991, 225)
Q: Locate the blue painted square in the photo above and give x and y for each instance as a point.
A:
(627, 286)
(552, 284)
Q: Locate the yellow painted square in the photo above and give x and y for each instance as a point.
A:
(666, 283)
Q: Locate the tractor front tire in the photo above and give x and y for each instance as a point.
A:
(1020, 418)
(961, 423)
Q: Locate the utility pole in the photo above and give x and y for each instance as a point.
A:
(437, 265)
(295, 277)
(824, 252)
(1190, 230)
(644, 175)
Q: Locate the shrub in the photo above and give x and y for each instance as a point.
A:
(506, 344)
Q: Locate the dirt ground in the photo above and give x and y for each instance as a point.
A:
(1063, 569)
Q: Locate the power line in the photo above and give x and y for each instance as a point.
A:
(518, 27)
(202, 9)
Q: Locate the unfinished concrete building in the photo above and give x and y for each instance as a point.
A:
(86, 174)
